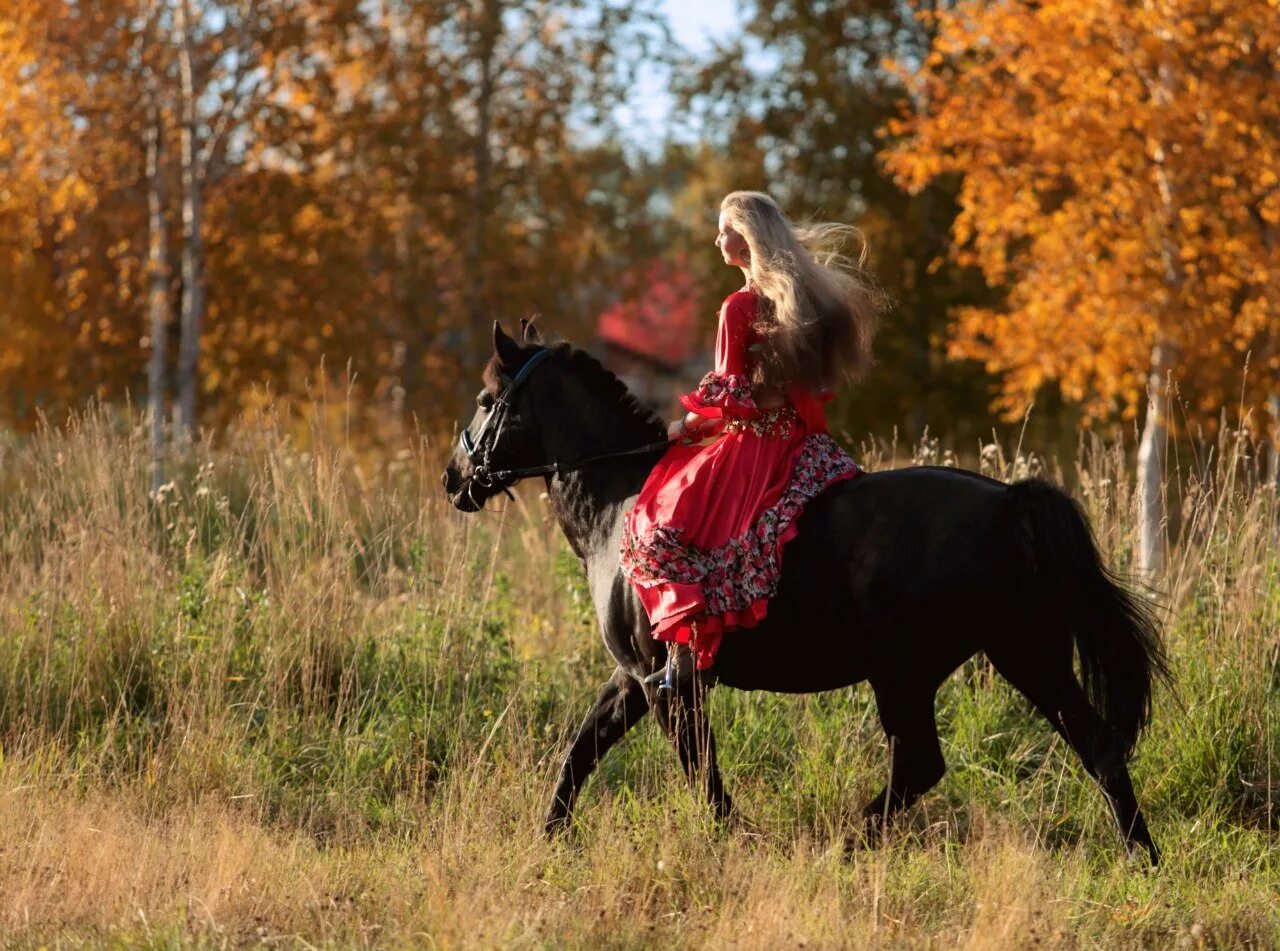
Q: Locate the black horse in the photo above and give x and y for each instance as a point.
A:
(895, 577)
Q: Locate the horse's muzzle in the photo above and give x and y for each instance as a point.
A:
(462, 492)
(464, 501)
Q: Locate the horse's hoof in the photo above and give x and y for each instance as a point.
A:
(555, 827)
(868, 835)
(863, 840)
(1143, 855)
(746, 830)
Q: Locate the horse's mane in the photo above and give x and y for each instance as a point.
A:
(595, 375)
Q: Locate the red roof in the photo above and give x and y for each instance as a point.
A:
(658, 320)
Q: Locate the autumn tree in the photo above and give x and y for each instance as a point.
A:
(30, 210)
(67, 278)
(1119, 166)
(479, 140)
(223, 79)
(114, 82)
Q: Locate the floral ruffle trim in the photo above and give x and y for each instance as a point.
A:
(729, 393)
(746, 570)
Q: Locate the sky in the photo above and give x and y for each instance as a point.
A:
(695, 24)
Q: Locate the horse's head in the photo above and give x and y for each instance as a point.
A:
(502, 435)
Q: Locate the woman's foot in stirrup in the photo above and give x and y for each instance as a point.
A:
(679, 670)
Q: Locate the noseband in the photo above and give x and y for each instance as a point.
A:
(480, 449)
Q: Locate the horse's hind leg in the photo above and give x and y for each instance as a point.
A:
(620, 706)
(685, 722)
(915, 755)
(1047, 680)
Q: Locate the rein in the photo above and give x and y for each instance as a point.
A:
(478, 451)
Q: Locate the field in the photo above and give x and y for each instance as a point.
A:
(291, 699)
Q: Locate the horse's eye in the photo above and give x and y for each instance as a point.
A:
(485, 400)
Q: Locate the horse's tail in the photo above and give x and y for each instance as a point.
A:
(1114, 630)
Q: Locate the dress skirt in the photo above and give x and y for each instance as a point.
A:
(703, 544)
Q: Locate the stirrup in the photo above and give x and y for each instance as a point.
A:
(679, 669)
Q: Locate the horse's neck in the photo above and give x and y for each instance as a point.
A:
(588, 501)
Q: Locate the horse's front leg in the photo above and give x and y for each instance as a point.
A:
(685, 722)
(619, 707)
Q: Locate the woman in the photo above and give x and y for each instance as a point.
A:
(703, 544)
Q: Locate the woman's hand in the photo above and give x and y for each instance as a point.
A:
(711, 427)
(688, 426)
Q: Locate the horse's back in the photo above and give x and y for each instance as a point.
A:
(886, 564)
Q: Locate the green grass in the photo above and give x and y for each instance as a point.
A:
(294, 699)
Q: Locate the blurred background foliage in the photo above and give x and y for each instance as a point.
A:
(348, 193)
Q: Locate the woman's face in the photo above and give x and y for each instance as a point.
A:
(732, 245)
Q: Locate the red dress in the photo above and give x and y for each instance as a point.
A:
(703, 544)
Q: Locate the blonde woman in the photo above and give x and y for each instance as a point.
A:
(703, 544)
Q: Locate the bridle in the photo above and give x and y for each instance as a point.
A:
(480, 449)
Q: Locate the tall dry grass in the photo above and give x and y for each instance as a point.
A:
(292, 698)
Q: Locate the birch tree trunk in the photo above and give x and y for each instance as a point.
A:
(1273, 405)
(489, 26)
(1152, 451)
(192, 316)
(1152, 454)
(157, 292)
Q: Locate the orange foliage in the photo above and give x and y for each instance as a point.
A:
(66, 282)
(1120, 165)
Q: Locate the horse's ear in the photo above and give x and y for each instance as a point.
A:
(508, 350)
(529, 331)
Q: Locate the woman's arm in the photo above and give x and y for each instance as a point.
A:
(725, 392)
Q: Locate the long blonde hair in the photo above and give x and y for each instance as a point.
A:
(822, 305)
